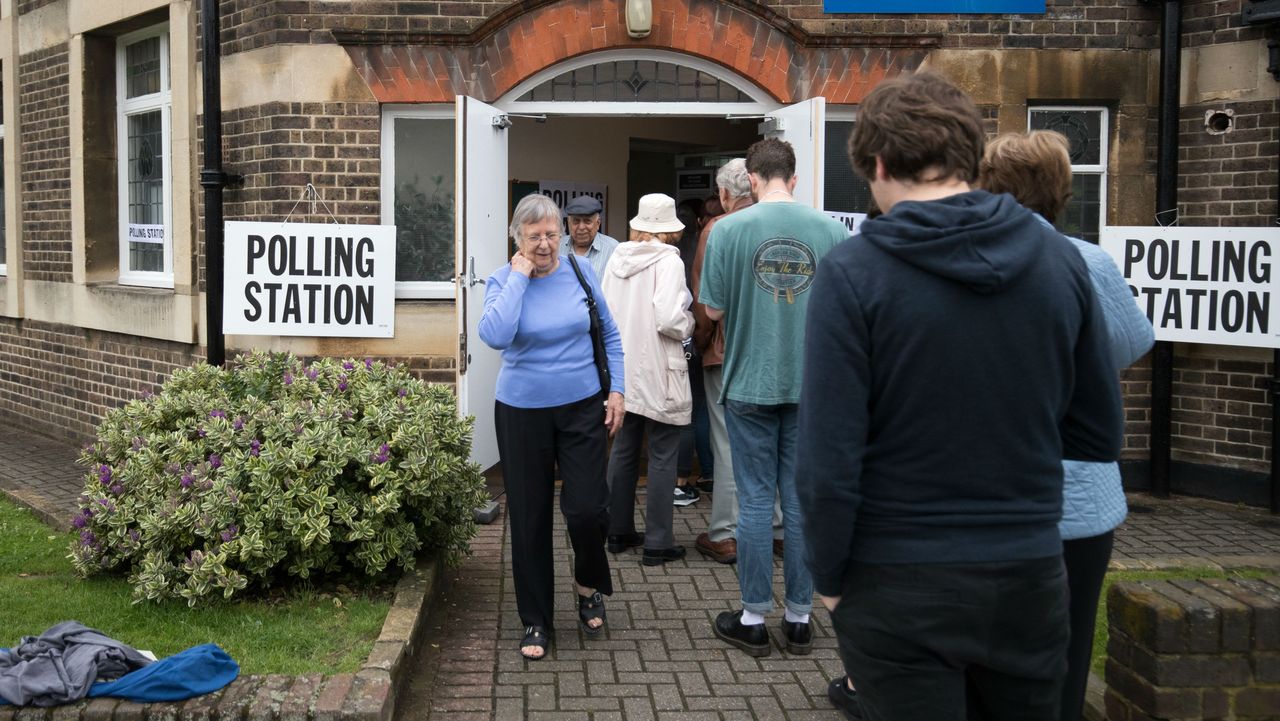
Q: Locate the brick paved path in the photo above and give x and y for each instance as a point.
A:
(659, 659)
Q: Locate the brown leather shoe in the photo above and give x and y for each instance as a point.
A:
(725, 551)
(777, 547)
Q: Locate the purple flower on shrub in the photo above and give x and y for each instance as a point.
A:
(347, 415)
(186, 481)
(201, 432)
(368, 364)
(312, 373)
(117, 489)
(217, 414)
(402, 392)
(233, 497)
(78, 521)
(87, 538)
(348, 365)
(288, 379)
(255, 447)
(173, 468)
(383, 454)
(139, 443)
(239, 423)
(134, 535)
(298, 429)
(229, 533)
(342, 382)
(215, 460)
(104, 474)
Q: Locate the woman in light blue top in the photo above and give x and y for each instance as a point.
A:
(551, 411)
(1036, 169)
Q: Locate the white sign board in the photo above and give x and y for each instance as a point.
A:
(1202, 285)
(851, 220)
(309, 279)
(562, 191)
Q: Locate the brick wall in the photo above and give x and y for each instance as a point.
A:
(1213, 22)
(1135, 388)
(280, 147)
(1229, 179)
(1221, 409)
(46, 164)
(61, 379)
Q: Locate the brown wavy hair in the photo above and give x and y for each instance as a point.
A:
(922, 127)
(1034, 167)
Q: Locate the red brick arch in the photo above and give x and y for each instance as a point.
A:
(514, 45)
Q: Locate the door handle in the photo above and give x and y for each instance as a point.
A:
(472, 279)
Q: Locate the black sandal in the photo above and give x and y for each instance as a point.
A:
(536, 636)
(589, 608)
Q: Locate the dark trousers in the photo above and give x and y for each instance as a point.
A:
(952, 641)
(1086, 560)
(531, 442)
(624, 472)
(696, 437)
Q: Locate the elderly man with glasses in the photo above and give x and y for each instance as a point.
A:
(585, 238)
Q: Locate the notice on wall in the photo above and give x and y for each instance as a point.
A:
(145, 233)
(1202, 285)
(850, 220)
(562, 191)
(309, 279)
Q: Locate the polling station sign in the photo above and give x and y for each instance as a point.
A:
(309, 279)
(1202, 285)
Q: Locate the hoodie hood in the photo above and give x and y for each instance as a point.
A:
(633, 256)
(980, 240)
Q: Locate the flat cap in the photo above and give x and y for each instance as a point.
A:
(582, 205)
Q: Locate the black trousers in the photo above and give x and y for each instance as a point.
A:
(531, 443)
(624, 474)
(1087, 560)
(952, 641)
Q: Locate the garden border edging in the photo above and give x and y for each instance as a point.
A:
(369, 694)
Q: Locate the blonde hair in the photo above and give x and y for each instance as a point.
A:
(669, 238)
(1034, 167)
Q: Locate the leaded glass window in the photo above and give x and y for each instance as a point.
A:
(143, 108)
(636, 81)
(1086, 133)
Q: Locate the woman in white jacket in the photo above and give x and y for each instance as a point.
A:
(644, 287)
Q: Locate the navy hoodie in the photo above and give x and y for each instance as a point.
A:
(954, 355)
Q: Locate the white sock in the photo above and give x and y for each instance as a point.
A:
(796, 617)
(751, 619)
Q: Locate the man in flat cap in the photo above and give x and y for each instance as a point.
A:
(585, 237)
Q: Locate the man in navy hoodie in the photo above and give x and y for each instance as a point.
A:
(955, 356)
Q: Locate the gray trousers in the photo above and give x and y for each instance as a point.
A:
(624, 473)
(724, 499)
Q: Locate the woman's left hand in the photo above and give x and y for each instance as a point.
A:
(614, 410)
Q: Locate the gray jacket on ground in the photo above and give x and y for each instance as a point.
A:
(61, 664)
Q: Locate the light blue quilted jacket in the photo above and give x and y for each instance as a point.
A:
(1092, 496)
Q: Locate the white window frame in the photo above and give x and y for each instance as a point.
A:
(428, 290)
(4, 266)
(1104, 148)
(162, 101)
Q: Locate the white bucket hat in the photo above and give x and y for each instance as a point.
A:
(656, 214)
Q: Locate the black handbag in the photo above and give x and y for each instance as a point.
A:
(597, 329)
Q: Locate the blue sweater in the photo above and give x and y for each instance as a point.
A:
(1092, 494)
(542, 328)
(955, 356)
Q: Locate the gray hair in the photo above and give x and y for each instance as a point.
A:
(532, 208)
(732, 178)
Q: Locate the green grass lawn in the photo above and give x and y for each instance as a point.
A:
(303, 631)
(1100, 630)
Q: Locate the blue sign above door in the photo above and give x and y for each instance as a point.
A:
(1002, 7)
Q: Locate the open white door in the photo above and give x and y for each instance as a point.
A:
(481, 228)
(804, 126)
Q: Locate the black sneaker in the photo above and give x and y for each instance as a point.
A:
(685, 496)
(845, 699)
(659, 557)
(620, 543)
(754, 639)
(799, 637)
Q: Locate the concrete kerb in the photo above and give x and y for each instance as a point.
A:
(370, 694)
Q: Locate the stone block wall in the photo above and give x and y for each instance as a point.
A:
(1194, 649)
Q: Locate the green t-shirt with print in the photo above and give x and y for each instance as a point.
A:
(758, 269)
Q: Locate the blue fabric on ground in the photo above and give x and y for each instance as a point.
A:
(193, 672)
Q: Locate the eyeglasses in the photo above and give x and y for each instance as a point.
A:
(551, 238)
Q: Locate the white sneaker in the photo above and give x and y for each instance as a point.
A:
(685, 496)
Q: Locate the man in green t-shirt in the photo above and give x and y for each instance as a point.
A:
(756, 276)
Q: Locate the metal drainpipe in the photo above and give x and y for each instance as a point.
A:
(212, 179)
(1166, 213)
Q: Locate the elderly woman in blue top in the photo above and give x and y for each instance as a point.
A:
(550, 410)
(1036, 169)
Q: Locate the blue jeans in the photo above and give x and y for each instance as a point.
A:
(762, 439)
